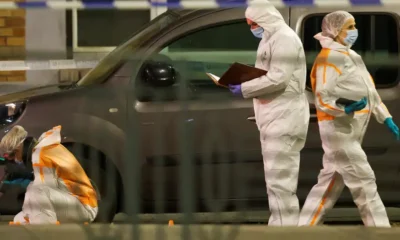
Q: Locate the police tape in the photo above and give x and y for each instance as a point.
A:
(193, 4)
(46, 65)
(370, 60)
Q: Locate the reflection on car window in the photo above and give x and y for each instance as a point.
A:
(109, 27)
(122, 53)
(378, 37)
(212, 49)
(227, 37)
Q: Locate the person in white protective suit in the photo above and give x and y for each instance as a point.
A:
(61, 191)
(281, 109)
(339, 72)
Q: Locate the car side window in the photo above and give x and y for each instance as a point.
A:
(377, 43)
(209, 50)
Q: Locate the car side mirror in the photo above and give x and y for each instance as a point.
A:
(159, 72)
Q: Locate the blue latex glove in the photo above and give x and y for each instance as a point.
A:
(19, 181)
(392, 127)
(236, 89)
(357, 106)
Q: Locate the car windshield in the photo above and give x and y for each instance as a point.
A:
(115, 58)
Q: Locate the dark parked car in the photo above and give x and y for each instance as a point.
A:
(147, 117)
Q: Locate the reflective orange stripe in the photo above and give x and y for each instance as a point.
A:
(323, 116)
(324, 78)
(334, 67)
(313, 77)
(66, 168)
(43, 163)
(71, 173)
(50, 132)
(41, 174)
(322, 61)
(321, 205)
(345, 53)
(326, 105)
(323, 56)
(363, 111)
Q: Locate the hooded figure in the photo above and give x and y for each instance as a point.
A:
(281, 109)
(339, 72)
(61, 190)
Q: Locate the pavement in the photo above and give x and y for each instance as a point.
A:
(337, 216)
(194, 232)
(172, 229)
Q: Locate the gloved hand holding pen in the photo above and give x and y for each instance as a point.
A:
(357, 106)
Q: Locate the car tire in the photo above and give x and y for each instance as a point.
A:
(107, 204)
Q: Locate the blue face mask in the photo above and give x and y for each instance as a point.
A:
(258, 32)
(352, 36)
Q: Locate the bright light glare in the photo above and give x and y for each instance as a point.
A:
(13, 105)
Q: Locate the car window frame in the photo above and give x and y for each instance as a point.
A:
(193, 31)
(93, 76)
(187, 26)
(220, 24)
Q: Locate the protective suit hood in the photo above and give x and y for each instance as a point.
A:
(327, 42)
(281, 109)
(268, 17)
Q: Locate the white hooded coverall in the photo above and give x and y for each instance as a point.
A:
(61, 190)
(281, 110)
(339, 72)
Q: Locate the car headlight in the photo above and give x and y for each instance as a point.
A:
(10, 112)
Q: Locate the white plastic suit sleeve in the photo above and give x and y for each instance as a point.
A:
(380, 111)
(325, 93)
(284, 58)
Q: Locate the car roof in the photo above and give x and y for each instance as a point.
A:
(183, 13)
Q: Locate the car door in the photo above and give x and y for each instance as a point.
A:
(208, 136)
(378, 44)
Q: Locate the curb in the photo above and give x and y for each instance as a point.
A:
(194, 232)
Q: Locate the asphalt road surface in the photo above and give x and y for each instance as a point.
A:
(337, 217)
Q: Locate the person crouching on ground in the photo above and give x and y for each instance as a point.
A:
(61, 190)
(18, 169)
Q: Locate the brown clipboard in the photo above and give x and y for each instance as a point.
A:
(238, 73)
